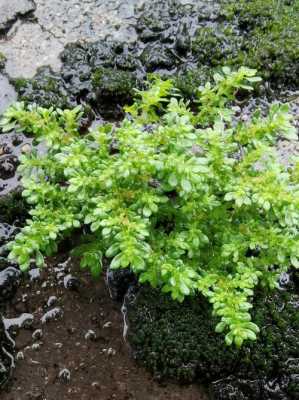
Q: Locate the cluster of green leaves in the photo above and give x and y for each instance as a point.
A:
(191, 201)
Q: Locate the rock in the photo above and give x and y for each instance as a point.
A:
(55, 313)
(8, 166)
(9, 282)
(8, 94)
(12, 10)
(71, 282)
(6, 358)
(11, 145)
(64, 375)
(233, 389)
(119, 282)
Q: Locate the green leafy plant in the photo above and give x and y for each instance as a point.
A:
(191, 201)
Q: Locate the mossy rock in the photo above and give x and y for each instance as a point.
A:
(261, 34)
(178, 341)
(13, 209)
(173, 38)
(45, 89)
(113, 87)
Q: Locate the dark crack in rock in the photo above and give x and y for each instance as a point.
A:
(11, 10)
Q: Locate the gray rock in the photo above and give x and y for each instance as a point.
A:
(12, 10)
(7, 92)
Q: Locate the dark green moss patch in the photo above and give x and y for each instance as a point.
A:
(178, 341)
(262, 34)
(13, 209)
(46, 89)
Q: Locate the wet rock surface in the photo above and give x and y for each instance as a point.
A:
(12, 145)
(178, 341)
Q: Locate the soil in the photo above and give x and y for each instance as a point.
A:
(79, 352)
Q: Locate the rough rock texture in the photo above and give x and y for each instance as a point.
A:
(12, 10)
(184, 40)
(7, 92)
(11, 147)
(33, 44)
(178, 341)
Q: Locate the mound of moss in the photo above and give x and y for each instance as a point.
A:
(262, 34)
(177, 341)
(185, 41)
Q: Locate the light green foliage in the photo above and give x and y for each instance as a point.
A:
(189, 200)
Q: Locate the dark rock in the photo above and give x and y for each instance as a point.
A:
(8, 166)
(11, 147)
(72, 283)
(6, 358)
(7, 233)
(233, 389)
(119, 282)
(9, 282)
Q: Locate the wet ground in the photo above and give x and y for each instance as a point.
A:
(71, 346)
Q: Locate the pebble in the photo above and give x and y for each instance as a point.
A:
(64, 375)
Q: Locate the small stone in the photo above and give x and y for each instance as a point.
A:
(90, 335)
(36, 346)
(20, 355)
(37, 334)
(111, 352)
(51, 301)
(107, 324)
(26, 148)
(64, 375)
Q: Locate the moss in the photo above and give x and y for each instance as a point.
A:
(2, 60)
(13, 208)
(178, 341)
(111, 82)
(46, 89)
(262, 34)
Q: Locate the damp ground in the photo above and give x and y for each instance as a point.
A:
(70, 344)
